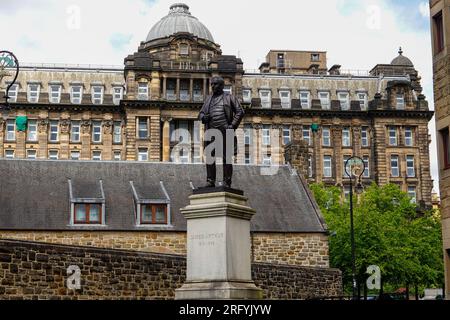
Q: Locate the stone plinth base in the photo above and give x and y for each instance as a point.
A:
(218, 247)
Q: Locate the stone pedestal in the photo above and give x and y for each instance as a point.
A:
(218, 247)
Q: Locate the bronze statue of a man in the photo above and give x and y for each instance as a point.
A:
(223, 112)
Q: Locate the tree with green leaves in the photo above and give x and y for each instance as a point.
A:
(389, 233)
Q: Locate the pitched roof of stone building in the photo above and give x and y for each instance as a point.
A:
(35, 195)
(179, 20)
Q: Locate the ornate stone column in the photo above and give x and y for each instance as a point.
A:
(43, 138)
(64, 139)
(257, 146)
(166, 139)
(85, 140)
(108, 127)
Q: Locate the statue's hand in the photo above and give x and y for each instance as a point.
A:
(205, 119)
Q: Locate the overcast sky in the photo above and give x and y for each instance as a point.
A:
(357, 34)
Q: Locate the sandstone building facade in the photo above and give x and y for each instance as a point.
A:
(440, 22)
(147, 111)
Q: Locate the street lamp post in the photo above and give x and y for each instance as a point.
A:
(354, 168)
(9, 67)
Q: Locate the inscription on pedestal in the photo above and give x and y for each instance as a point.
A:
(206, 239)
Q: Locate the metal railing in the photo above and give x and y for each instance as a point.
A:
(70, 66)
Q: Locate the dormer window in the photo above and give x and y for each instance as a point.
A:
(87, 208)
(88, 213)
(143, 91)
(344, 100)
(54, 93)
(400, 99)
(153, 214)
(324, 98)
(363, 102)
(285, 97)
(13, 92)
(33, 93)
(117, 95)
(266, 98)
(247, 95)
(184, 49)
(97, 94)
(76, 94)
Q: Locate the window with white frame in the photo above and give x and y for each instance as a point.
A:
(9, 154)
(266, 135)
(326, 137)
(346, 137)
(117, 133)
(76, 94)
(32, 131)
(305, 99)
(97, 155)
(184, 49)
(366, 173)
(117, 156)
(363, 101)
(10, 130)
(344, 100)
(247, 95)
(324, 98)
(97, 131)
(395, 166)
(412, 193)
(248, 158)
(75, 155)
(75, 129)
(13, 92)
(248, 134)
(143, 128)
(54, 93)
(267, 160)
(285, 97)
(307, 134)
(410, 169)
(365, 137)
(117, 95)
(54, 131)
(143, 91)
(409, 137)
(286, 135)
(97, 94)
(266, 98)
(393, 141)
(33, 93)
(327, 167)
(143, 154)
(400, 101)
(31, 154)
(53, 154)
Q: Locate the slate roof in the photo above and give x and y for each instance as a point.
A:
(34, 194)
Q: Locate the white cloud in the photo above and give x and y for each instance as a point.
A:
(341, 27)
(424, 9)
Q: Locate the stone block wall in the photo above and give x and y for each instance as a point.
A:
(34, 271)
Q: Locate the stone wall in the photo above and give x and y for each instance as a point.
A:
(39, 271)
(309, 250)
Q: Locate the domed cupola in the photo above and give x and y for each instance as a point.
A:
(401, 60)
(179, 20)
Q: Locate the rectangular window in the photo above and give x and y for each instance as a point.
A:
(154, 214)
(327, 170)
(143, 155)
(76, 94)
(31, 154)
(88, 214)
(9, 154)
(248, 159)
(96, 132)
(54, 93)
(392, 136)
(266, 135)
(247, 95)
(97, 155)
(409, 139)
(10, 130)
(412, 194)
(184, 49)
(324, 98)
(267, 160)
(395, 170)
(315, 57)
(53, 154)
(33, 93)
(366, 167)
(344, 172)
(32, 131)
(97, 94)
(307, 134)
(266, 99)
(326, 137)
(344, 100)
(13, 93)
(286, 135)
(445, 136)
(365, 137)
(346, 138)
(410, 169)
(143, 128)
(305, 99)
(117, 132)
(117, 95)
(143, 91)
(439, 41)
(117, 156)
(75, 155)
(54, 131)
(285, 97)
(363, 101)
(248, 134)
(75, 129)
(400, 101)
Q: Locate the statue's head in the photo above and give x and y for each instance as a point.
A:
(217, 84)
